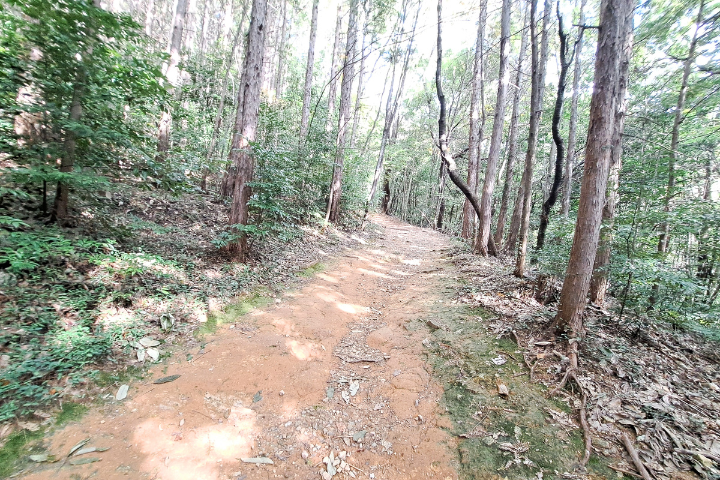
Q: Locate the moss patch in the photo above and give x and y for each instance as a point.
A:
(461, 355)
(16, 447)
(310, 271)
(70, 412)
(231, 312)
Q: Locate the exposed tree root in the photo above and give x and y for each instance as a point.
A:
(635, 458)
(570, 375)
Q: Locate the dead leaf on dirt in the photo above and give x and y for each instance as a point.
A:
(258, 460)
(43, 457)
(153, 353)
(83, 451)
(78, 446)
(84, 461)
(31, 426)
(168, 379)
(122, 392)
(503, 389)
(148, 342)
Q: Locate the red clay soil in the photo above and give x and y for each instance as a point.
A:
(262, 386)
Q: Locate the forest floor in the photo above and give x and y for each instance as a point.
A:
(386, 363)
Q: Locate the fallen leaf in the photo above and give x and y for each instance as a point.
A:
(39, 458)
(263, 460)
(503, 389)
(84, 461)
(78, 446)
(153, 353)
(168, 379)
(148, 342)
(122, 392)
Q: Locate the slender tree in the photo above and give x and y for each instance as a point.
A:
(348, 72)
(557, 139)
(241, 159)
(572, 131)
(476, 117)
(513, 139)
(173, 74)
(307, 90)
(536, 101)
(614, 33)
(485, 217)
(332, 93)
(599, 280)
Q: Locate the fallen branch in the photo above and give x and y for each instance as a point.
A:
(635, 458)
(709, 455)
(626, 472)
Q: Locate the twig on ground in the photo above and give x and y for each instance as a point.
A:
(626, 472)
(635, 458)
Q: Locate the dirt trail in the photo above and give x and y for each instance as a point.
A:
(330, 368)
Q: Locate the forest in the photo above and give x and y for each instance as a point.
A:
(166, 164)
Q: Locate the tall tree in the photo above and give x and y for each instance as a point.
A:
(281, 52)
(524, 197)
(557, 139)
(307, 90)
(572, 131)
(614, 33)
(391, 109)
(173, 74)
(332, 93)
(485, 217)
(512, 140)
(242, 163)
(477, 120)
(348, 72)
(600, 273)
(677, 120)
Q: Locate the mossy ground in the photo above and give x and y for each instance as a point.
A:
(231, 312)
(312, 270)
(461, 355)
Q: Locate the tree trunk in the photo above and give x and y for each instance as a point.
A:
(536, 103)
(281, 53)
(240, 158)
(614, 33)
(332, 93)
(172, 74)
(468, 222)
(672, 160)
(440, 211)
(445, 154)
(307, 91)
(225, 189)
(572, 132)
(393, 103)
(485, 217)
(361, 74)
(558, 142)
(512, 142)
(599, 281)
(149, 18)
(333, 209)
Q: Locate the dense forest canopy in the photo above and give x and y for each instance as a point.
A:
(578, 138)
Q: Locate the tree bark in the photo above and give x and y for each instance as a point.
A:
(536, 103)
(468, 223)
(361, 75)
(600, 274)
(240, 158)
(557, 139)
(615, 30)
(485, 217)
(332, 92)
(391, 108)
(445, 154)
(225, 188)
(333, 209)
(281, 53)
(572, 132)
(307, 91)
(512, 141)
(672, 160)
(172, 74)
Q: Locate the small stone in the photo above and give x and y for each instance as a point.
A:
(282, 392)
(305, 455)
(342, 455)
(326, 476)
